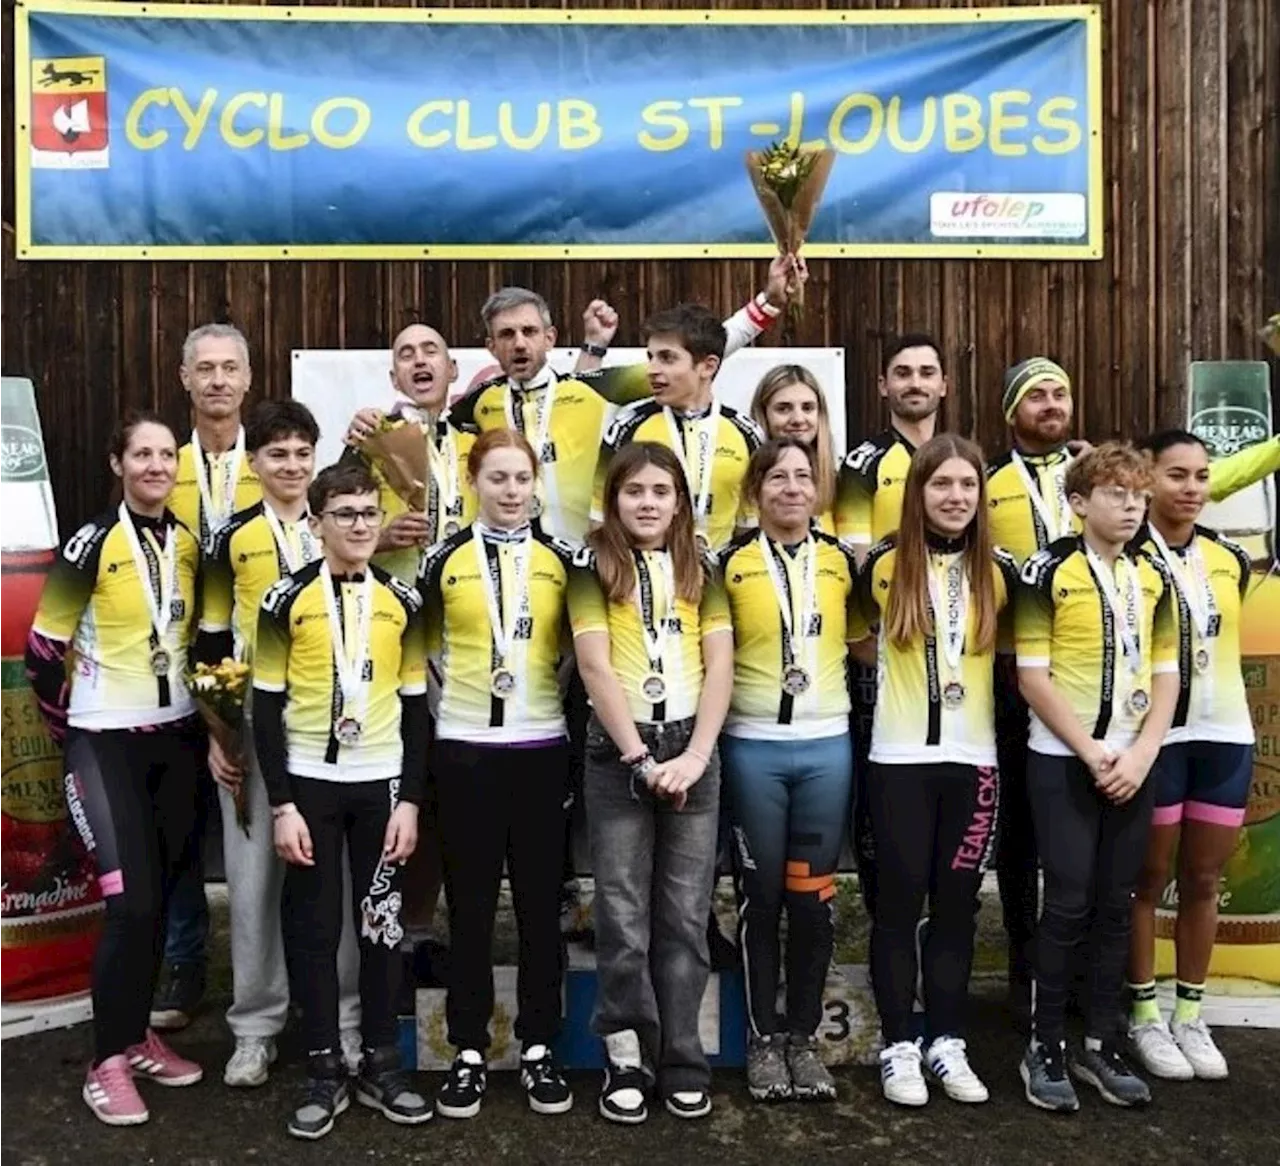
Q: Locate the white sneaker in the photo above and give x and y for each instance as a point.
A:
(1196, 1043)
(1156, 1051)
(250, 1062)
(948, 1062)
(900, 1076)
(352, 1050)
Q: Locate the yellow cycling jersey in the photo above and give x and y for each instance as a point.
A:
(498, 676)
(790, 659)
(1065, 623)
(1210, 575)
(655, 650)
(870, 486)
(244, 558)
(1023, 521)
(294, 653)
(718, 439)
(115, 575)
(228, 472)
(934, 698)
(451, 500)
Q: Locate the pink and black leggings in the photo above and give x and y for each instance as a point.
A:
(132, 797)
(1202, 781)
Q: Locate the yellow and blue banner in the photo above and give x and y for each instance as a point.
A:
(199, 131)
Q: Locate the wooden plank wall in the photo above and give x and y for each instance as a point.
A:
(1192, 267)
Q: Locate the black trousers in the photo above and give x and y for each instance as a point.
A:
(132, 797)
(355, 813)
(1092, 851)
(1017, 861)
(499, 804)
(935, 832)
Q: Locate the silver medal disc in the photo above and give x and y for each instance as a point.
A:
(161, 662)
(654, 688)
(795, 680)
(502, 683)
(953, 694)
(347, 731)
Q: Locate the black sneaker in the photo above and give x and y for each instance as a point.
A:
(688, 1104)
(384, 1086)
(624, 1095)
(1044, 1075)
(1109, 1073)
(326, 1095)
(543, 1082)
(179, 995)
(463, 1090)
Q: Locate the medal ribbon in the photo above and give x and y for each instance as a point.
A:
(1127, 622)
(517, 397)
(1056, 526)
(349, 658)
(705, 436)
(216, 516)
(306, 550)
(779, 577)
(442, 457)
(655, 630)
(502, 630)
(157, 569)
(950, 604)
(1197, 593)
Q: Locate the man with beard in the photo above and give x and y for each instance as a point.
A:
(868, 507)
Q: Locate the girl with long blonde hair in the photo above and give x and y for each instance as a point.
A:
(789, 402)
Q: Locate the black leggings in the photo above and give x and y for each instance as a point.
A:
(1017, 864)
(935, 830)
(132, 797)
(499, 804)
(1092, 851)
(355, 813)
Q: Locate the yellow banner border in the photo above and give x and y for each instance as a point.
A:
(1091, 14)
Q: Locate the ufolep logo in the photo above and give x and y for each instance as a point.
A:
(69, 129)
(1006, 215)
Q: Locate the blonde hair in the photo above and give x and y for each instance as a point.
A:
(783, 376)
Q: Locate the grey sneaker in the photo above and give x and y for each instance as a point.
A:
(1044, 1073)
(810, 1080)
(768, 1078)
(1107, 1071)
(326, 1095)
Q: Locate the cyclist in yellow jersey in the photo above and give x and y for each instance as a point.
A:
(935, 589)
(107, 658)
(214, 481)
(789, 402)
(247, 556)
(713, 441)
(495, 601)
(788, 760)
(1098, 665)
(653, 640)
(1203, 773)
(339, 722)
(422, 372)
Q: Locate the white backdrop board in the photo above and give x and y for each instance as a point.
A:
(334, 383)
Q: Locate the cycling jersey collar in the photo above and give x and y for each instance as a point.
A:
(946, 546)
(495, 534)
(1052, 458)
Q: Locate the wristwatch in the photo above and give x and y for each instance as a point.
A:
(600, 350)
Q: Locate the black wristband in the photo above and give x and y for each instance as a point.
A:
(600, 350)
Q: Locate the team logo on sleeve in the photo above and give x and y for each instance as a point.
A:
(1036, 568)
(69, 128)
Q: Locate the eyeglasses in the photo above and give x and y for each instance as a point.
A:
(345, 518)
(1120, 496)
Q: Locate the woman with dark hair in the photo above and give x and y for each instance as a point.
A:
(119, 608)
(935, 590)
(1204, 769)
(652, 638)
(788, 760)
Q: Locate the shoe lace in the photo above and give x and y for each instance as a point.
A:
(1197, 1029)
(951, 1052)
(1054, 1059)
(630, 1077)
(322, 1091)
(1114, 1061)
(543, 1069)
(114, 1073)
(155, 1048)
(462, 1073)
(903, 1055)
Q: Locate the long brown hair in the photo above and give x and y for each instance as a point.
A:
(908, 614)
(783, 376)
(615, 560)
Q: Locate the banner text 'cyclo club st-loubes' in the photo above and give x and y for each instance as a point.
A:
(203, 130)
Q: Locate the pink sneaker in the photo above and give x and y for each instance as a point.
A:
(110, 1092)
(156, 1061)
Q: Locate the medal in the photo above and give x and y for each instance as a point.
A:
(543, 447)
(504, 619)
(654, 629)
(451, 528)
(349, 655)
(654, 688)
(795, 680)
(1138, 701)
(216, 517)
(1198, 606)
(953, 694)
(949, 600)
(1202, 660)
(699, 486)
(1126, 620)
(445, 500)
(161, 662)
(347, 731)
(157, 569)
(502, 683)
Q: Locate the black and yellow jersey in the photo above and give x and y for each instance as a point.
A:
(294, 656)
(872, 480)
(451, 500)
(1063, 623)
(729, 437)
(685, 628)
(94, 600)
(928, 710)
(761, 708)
(531, 569)
(223, 468)
(1212, 705)
(244, 558)
(1018, 524)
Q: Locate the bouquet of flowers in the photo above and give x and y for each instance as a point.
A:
(399, 451)
(789, 182)
(1270, 333)
(219, 691)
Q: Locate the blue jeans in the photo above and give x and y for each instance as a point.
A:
(789, 805)
(654, 868)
